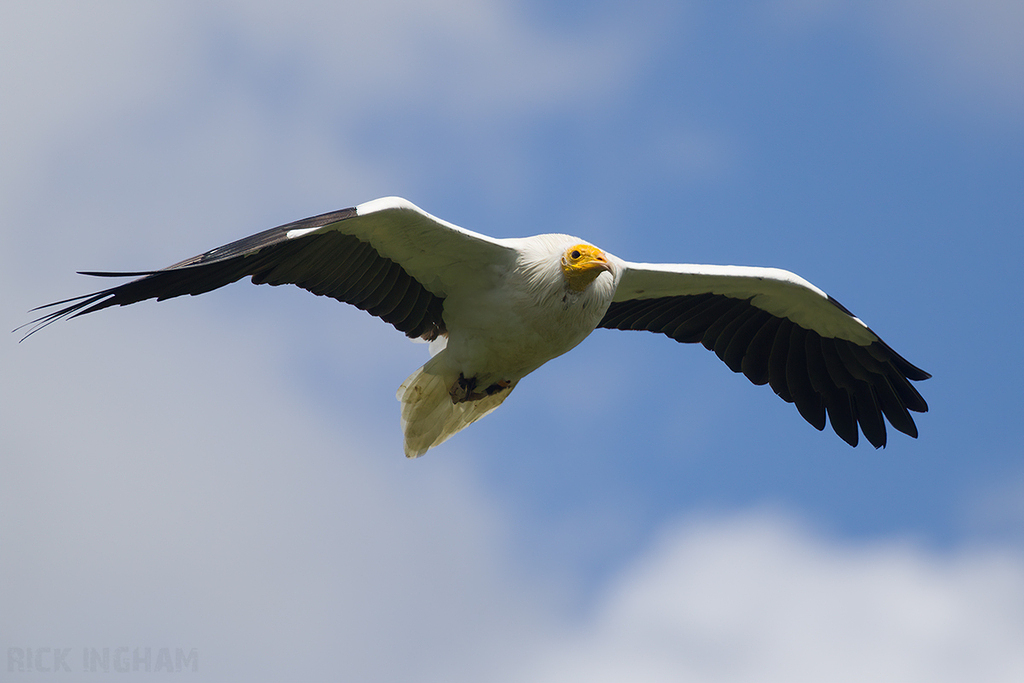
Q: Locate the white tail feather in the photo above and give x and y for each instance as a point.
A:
(429, 418)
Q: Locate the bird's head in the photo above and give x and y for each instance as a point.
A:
(582, 263)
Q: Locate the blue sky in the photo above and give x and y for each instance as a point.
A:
(225, 472)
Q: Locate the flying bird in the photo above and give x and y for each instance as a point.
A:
(495, 310)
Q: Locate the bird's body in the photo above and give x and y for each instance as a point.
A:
(495, 310)
(524, 315)
(527, 316)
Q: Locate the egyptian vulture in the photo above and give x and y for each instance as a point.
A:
(495, 310)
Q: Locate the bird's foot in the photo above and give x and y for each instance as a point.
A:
(464, 389)
(461, 390)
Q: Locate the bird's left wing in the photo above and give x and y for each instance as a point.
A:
(778, 329)
(387, 257)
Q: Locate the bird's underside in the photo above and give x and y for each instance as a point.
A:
(502, 307)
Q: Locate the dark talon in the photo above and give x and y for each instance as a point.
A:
(464, 389)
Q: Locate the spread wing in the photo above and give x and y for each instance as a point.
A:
(387, 257)
(778, 329)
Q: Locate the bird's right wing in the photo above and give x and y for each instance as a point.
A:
(387, 257)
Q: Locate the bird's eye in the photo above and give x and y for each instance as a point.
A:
(575, 254)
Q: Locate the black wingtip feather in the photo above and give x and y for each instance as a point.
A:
(842, 418)
(777, 362)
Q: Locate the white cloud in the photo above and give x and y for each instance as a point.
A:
(465, 59)
(191, 110)
(65, 62)
(203, 500)
(66, 67)
(278, 544)
(758, 597)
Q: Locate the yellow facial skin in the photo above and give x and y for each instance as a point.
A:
(581, 265)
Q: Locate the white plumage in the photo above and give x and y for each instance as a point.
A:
(495, 310)
(499, 334)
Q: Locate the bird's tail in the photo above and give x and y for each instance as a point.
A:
(429, 417)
